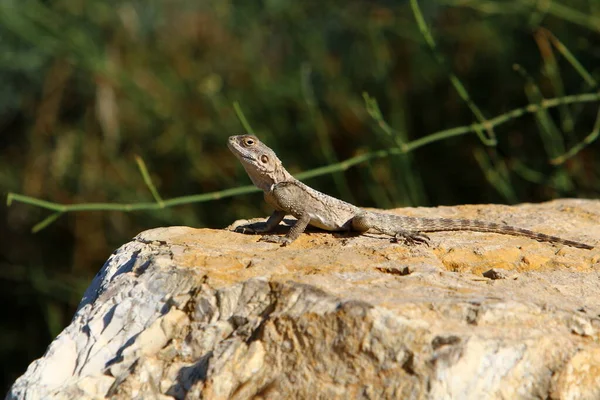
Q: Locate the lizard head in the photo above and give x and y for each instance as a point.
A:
(259, 161)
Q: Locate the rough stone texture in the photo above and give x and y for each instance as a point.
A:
(198, 313)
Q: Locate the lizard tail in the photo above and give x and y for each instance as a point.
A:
(398, 225)
(445, 224)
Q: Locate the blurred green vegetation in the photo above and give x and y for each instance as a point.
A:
(89, 85)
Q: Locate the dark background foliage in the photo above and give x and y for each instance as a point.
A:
(87, 85)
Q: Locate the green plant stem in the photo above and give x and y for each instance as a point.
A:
(148, 181)
(579, 146)
(458, 86)
(176, 201)
(503, 118)
(242, 118)
(340, 166)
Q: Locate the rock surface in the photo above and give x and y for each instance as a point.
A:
(198, 313)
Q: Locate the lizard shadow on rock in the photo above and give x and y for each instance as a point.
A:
(284, 227)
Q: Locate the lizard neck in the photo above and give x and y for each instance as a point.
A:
(265, 181)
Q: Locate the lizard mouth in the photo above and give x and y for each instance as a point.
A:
(235, 150)
(250, 159)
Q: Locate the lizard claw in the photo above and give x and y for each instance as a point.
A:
(282, 240)
(411, 239)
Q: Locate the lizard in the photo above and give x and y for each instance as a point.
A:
(288, 195)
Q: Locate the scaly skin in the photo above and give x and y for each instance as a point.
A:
(311, 207)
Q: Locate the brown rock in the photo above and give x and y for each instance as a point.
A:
(189, 313)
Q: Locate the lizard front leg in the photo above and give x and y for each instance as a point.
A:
(293, 234)
(272, 222)
(388, 225)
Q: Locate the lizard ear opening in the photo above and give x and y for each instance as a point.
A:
(264, 159)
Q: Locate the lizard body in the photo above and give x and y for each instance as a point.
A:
(311, 207)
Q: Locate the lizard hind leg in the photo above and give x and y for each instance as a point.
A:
(389, 225)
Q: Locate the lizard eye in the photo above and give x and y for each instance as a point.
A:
(264, 159)
(248, 141)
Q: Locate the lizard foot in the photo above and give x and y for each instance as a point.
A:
(411, 238)
(282, 240)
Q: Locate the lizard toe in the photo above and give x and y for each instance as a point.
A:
(411, 238)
